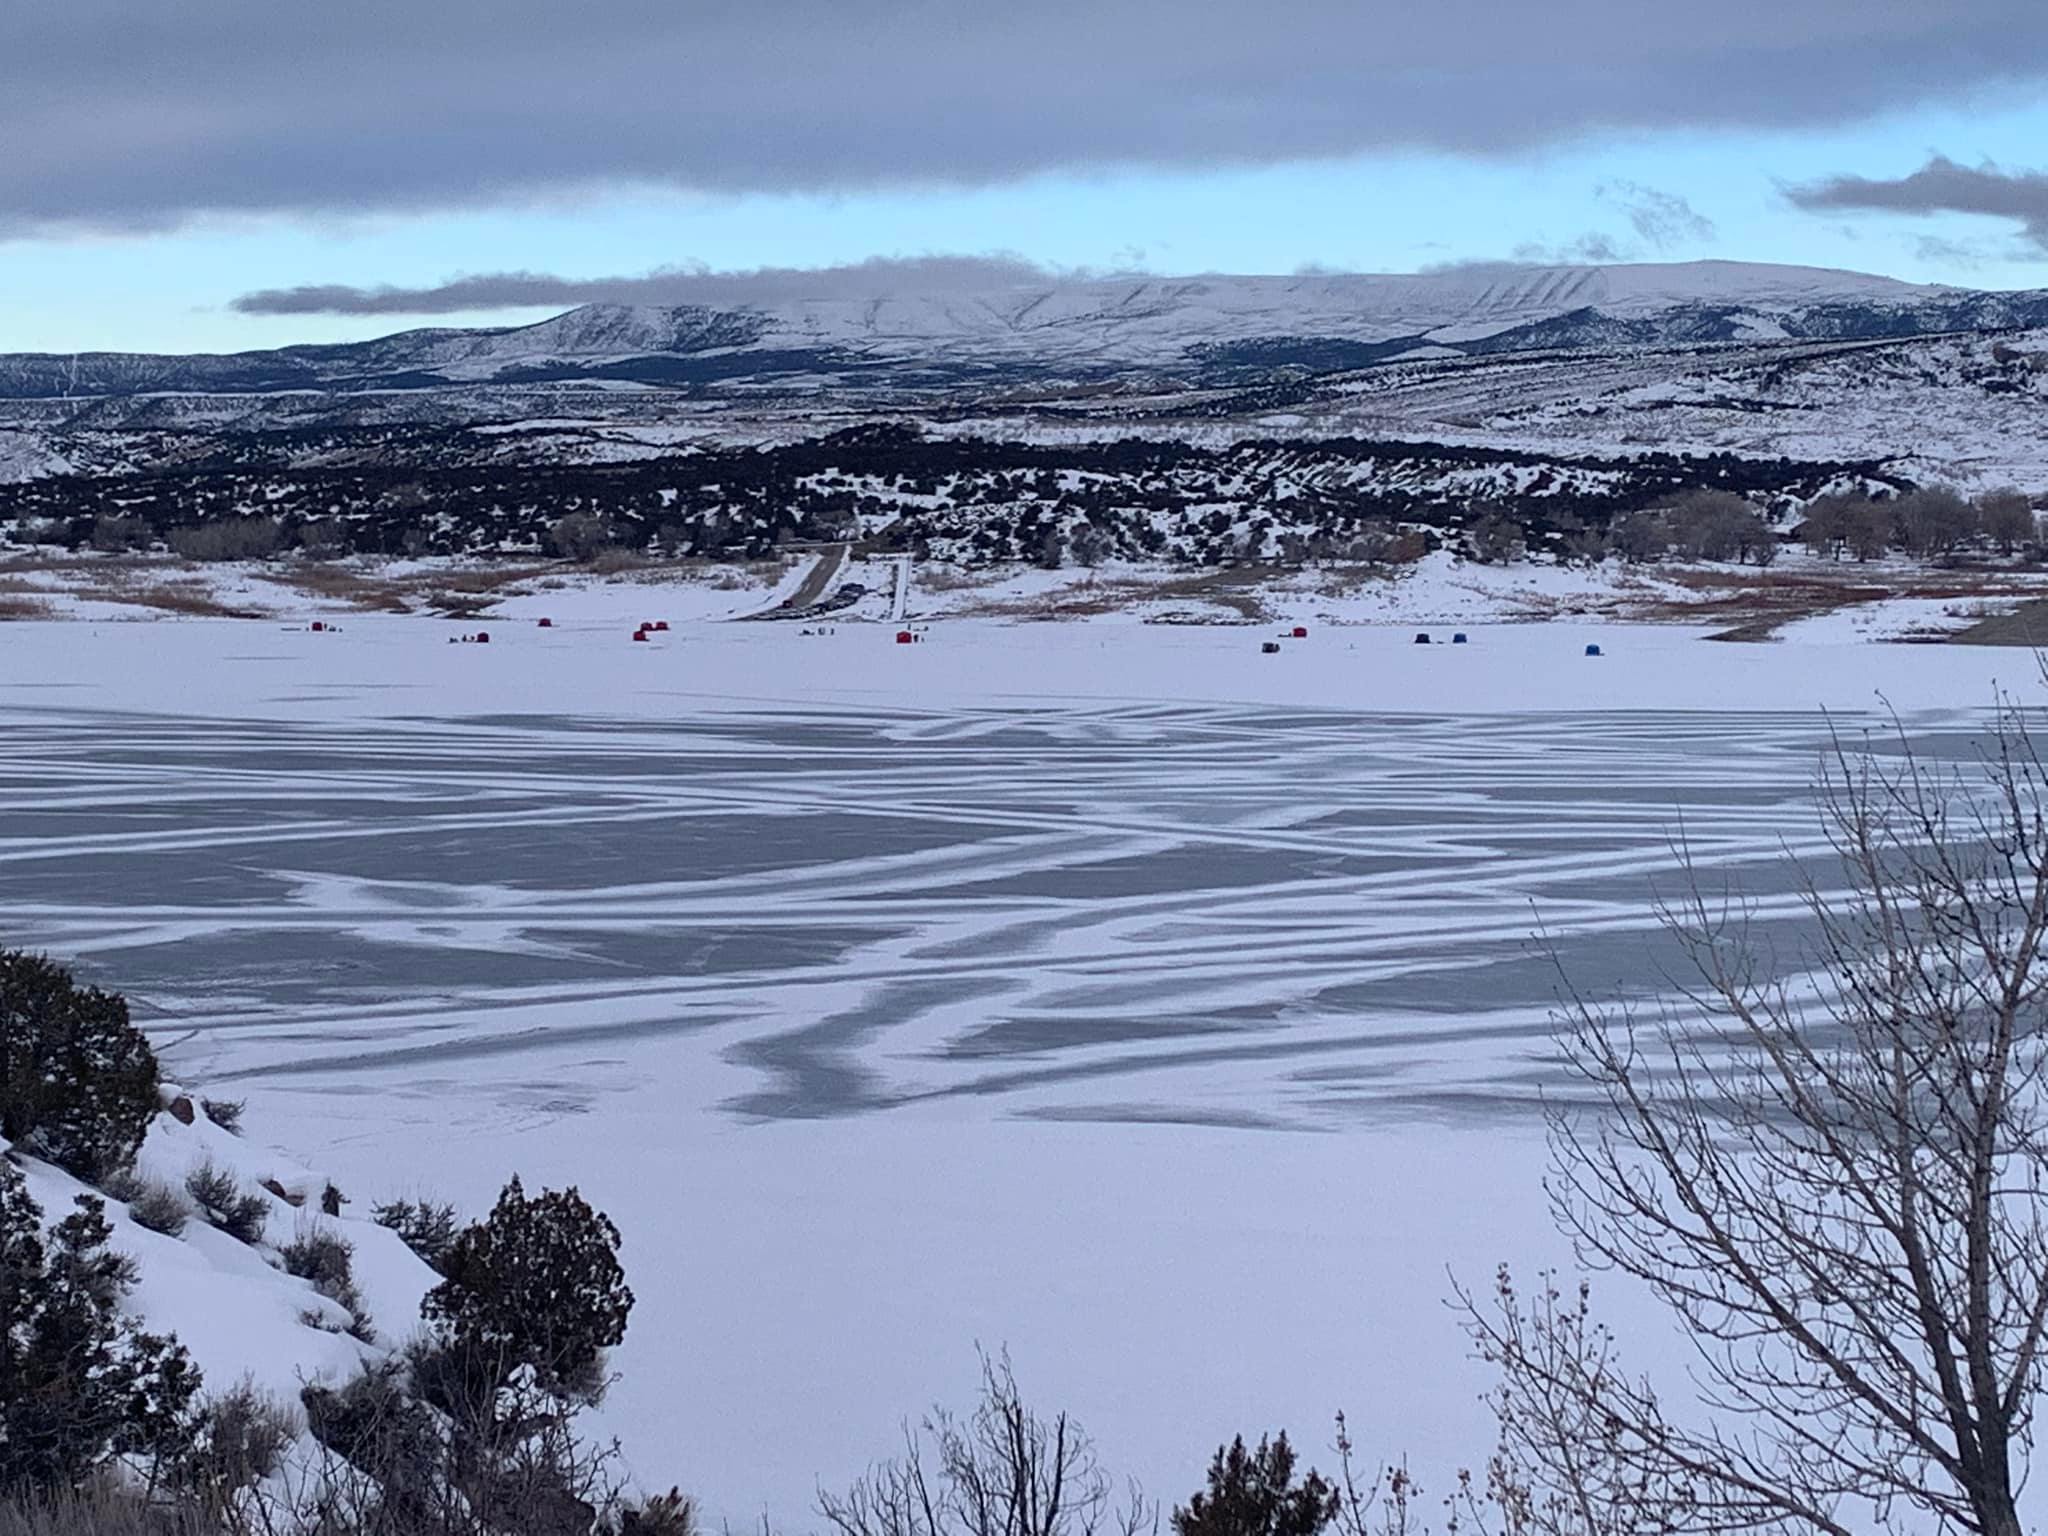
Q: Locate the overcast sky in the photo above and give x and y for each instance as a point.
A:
(240, 172)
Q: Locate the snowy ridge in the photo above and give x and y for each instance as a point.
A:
(1079, 329)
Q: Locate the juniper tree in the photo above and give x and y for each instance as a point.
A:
(78, 1082)
(537, 1285)
(79, 1383)
(1253, 1493)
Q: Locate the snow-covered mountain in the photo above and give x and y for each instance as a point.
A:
(1190, 330)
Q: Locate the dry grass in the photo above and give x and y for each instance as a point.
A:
(458, 605)
(1349, 580)
(15, 606)
(193, 602)
(949, 578)
(493, 578)
(1754, 605)
(1235, 590)
(341, 584)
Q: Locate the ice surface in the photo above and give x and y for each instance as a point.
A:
(1156, 1007)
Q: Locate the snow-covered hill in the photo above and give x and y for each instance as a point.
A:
(1185, 328)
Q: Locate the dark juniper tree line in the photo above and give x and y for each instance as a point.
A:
(969, 498)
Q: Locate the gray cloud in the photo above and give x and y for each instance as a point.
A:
(126, 116)
(1664, 219)
(925, 275)
(1591, 249)
(1940, 186)
(1964, 254)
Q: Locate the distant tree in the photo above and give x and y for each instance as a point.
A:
(1091, 545)
(1714, 525)
(1823, 528)
(79, 1383)
(582, 535)
(2006, 518)
(1253, 1493)
(1049, 548)
(78, 1082)
(1867, 529)
(1495, 541)
(1932, 521)
(1641, 536)
(1586, 547)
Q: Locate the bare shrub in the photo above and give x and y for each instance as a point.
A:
(241, 1443)
(1002, 1471)
(101, 1510)
(225, 1113)
(614, 561)
(158, 1207)
(446, 1444)
(326, 1259)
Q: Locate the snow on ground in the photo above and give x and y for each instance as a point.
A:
(387, 664)
(1441, 588)
(230, 1303)
(1157, 1007)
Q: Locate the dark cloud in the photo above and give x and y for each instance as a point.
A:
(1940, 186)
(924, 276)
(115, 114)
(1663, 219)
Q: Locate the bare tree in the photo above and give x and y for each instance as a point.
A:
(582, 535)
(1714, 525)
(1003, 1471)
(1868, 529)
(1839, 1184)
(2006, 517)
(1933, 520)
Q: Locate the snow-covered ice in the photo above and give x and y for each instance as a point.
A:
(1157, 1007)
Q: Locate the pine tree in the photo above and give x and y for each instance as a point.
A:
(1253, 1493)
(79, 1383)
(78, 1082)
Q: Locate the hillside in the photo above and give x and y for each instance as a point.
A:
(1186, 328)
